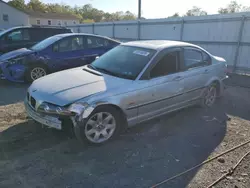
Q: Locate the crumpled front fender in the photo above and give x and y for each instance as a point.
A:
(14, 73)
(91, 107)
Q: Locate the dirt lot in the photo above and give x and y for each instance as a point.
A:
(32, 156)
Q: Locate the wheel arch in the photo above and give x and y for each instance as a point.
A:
(217, 82)
(92, 108)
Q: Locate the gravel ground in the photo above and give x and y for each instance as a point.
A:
(32, 156)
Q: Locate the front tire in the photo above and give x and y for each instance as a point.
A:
(100, 127)
(35, 72)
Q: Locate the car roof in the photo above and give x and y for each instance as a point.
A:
(83, 34)
(158, 44)
(37, 27)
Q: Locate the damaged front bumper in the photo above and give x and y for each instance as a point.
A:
(14, 73)
(50, 121)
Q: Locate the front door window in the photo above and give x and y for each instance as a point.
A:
(167, 65)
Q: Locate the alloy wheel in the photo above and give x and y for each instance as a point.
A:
(100, 127)
(37, 72)
(210, 96)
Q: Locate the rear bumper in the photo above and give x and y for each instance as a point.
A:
(225, 82)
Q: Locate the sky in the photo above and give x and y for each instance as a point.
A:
(152, 8)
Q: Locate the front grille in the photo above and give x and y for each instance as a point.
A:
(28, 96)
(32, 102)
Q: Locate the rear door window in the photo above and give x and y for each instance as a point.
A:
(48, 32)
(52, 32)
(69, 44)
(206, 58)
(96, 42)
(194, 57)
(18, 35)
(37, 34)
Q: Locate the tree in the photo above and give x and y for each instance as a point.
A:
(245, 9)
(175, 15)
(107, 17)
(88, 21)
(196, 11)
(86, 13)
(128, 16)
(18, 4)
(233, 7)
(54, 8)
(36, 5)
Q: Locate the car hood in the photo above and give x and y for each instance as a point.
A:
(65, 87)
(15, 54)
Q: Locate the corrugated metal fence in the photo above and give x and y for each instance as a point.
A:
(227, 36)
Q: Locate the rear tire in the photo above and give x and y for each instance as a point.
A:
(209, 96)
(35, 72)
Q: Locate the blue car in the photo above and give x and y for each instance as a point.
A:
(53, 54)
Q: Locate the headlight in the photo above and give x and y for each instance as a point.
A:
(74, 109)
(78, 107)
(48, 108)
(20, 61)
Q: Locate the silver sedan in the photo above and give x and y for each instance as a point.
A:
(130, 84)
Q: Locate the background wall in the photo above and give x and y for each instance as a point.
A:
(54, 22)
(225, 35)
(15, 17)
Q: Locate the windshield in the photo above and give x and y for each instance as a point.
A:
(3, 31)
(45, 43)
(123, 61)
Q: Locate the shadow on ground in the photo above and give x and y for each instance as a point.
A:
(140, 157)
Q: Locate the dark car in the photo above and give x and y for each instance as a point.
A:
(53, 54)
(25, 37)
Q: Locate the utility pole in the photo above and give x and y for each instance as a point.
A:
(139, 9)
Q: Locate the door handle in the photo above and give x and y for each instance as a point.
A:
(206, 71)
(177, 78)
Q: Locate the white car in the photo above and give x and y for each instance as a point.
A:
(132, 83)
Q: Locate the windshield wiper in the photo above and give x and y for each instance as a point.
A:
(113, 73)
(105, 71)
(91, 66)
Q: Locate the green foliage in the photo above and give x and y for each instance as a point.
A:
(86, 13)
(233, 7)
(88, 21)
(36, 5)
(18, 4)
(196, 11)
(175, 15)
